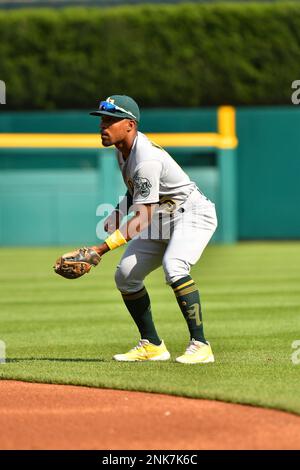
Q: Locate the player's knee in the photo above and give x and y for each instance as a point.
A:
(126, 281)
(175, 269)
(121, 278)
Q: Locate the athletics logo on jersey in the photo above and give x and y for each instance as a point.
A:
(142, 186)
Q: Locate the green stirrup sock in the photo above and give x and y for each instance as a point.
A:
(138, 305)
(188, 299)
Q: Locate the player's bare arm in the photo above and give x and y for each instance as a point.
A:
(79, 262)
(138, 223)
(114, 220)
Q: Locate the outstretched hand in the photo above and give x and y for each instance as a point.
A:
(77, 263)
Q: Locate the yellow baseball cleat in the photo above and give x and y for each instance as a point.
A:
(197, 353)
(145, 351)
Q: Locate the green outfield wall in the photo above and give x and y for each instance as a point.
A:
(268, 173)
(50, 195)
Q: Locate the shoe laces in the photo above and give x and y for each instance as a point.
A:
(193, 346)
(141, 344)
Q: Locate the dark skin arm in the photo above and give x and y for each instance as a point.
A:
(114, 220)
(141, 220)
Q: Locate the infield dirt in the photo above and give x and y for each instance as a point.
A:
(41, 416)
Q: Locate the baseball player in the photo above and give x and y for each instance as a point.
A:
(172, 224)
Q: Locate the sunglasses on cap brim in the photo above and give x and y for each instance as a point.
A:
(110, 107)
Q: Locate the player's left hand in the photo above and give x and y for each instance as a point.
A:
(77, 263)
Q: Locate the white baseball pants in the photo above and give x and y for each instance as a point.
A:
(191, 228)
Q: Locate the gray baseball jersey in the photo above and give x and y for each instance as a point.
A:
(175, 241)
(152, 175)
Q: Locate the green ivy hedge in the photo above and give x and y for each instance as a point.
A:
(163, 55)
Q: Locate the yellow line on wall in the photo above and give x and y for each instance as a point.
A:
(226, 121)
(193, 140)
(50, 140)
(17, 140)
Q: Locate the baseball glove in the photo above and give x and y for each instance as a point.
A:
(77, 263)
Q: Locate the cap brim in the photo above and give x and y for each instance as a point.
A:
(106, 113)
(116, 115)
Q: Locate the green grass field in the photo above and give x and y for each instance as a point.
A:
(62, 331)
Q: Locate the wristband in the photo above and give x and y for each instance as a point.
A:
(115, 240)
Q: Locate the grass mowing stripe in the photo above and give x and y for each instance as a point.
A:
(61, 331)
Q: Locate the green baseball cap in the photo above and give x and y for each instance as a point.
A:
(120, 106)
